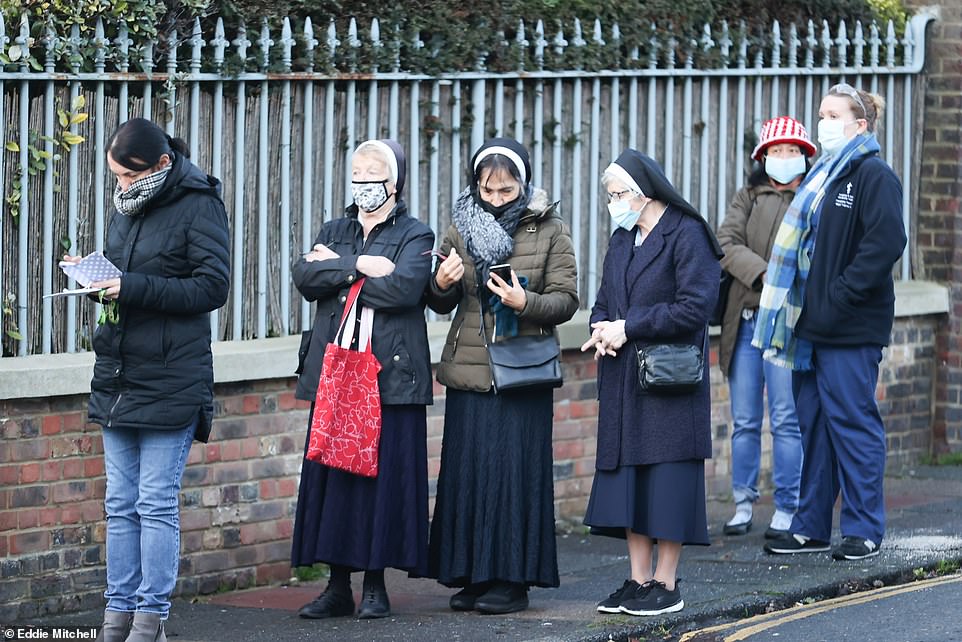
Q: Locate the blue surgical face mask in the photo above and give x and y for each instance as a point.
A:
(785, 170)
(622, 214)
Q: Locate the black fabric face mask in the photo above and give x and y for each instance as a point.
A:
(494, 210)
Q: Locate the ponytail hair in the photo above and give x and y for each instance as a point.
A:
(874, 106)
(139, 143)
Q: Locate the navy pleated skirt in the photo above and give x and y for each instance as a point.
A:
(494, 511)
(663, 501)
(369, 522)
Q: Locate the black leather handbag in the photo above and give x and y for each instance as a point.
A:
(670, 368)
(529, 361)
(526, 361)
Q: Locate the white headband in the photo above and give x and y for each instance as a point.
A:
(385, 151)
(504, 151)
(617, 171)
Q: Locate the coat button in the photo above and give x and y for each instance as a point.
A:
(350, 278)
(397, 357)
(343, 299)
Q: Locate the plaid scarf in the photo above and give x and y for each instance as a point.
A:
(784, 293)
(130, 202)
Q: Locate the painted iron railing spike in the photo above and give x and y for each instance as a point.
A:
(287, 44)
(742, 45)
(875, 41)
(793, 44)
(859, 43)
(522, 42)
(843, 42)
(706, 41)
(725, 44)
(172, 43)
(396, 49)
(691, 45)
(776, 60)
(559, 42)
(3, 34)
(197, 44)
(890, 43)
(596, 36)
(539, 44)
(73, 44)
(123, 43)
(310, 44)
(908, 44)
(376, 44)
(50, 48)
(241, 43)
(147, 58)
(654, 44)
(812, 41)
(759, 57)
(332, 42)
(353, 43)
(219, 43)
(670, 49)
(826, 45)
(100, 45)
(264, 43)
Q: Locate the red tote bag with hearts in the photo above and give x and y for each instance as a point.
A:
(346, 425)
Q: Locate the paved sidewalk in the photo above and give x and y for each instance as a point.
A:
(731, 578)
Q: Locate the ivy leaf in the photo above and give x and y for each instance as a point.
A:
(36, 66)
(73, 139)
(13, 334)
(14, 53)
(78, 103)
(12, 146)
(78, 118)
(64, 118)
(65, 243)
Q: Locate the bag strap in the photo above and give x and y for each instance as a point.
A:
(343, 338)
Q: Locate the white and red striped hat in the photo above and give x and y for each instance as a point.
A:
(783, 129)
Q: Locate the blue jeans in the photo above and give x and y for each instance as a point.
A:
(144, 471)
(748, 377)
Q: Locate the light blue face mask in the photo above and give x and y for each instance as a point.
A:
(622, 214)
(785, 170)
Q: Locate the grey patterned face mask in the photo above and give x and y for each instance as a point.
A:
(369, 195)
(131, 201)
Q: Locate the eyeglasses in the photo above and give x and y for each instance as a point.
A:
(848, 90)
(620, 196)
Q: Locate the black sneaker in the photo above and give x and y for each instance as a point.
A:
(503, 597)
(330, 603)
(613, 603)
(855, 548)
(775, 533)
(653, 598)
(792, 543)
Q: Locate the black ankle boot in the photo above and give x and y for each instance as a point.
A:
(374, 602)
(333, 602)
(465, 599)
(503, 597)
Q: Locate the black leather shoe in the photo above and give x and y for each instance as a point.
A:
(465, 599)
(374, 604)
(330, 603)
(774, 533)
(503, 597)
(737, 529)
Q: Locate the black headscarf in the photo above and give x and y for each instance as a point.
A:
(650, 178)
(402, 164)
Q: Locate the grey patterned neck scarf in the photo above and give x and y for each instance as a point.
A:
(132, 201)
(489, 240)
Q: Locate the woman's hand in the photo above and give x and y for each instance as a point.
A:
(110, 287)
(595, 342)
(612, 333)
(512, 294)
(374, 266)
(321, 252)
(450, 270)
(71, 259)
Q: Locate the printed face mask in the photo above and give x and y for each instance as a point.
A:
(831, 135)
(785, 170)
(369, 195)
(622, 214)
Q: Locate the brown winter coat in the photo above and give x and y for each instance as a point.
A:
(543, 253)
(746, 236)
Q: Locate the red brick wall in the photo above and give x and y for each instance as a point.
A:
(240, 489)
(938, 254)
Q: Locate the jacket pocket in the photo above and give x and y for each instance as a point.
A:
(303, 350)
(451, 345)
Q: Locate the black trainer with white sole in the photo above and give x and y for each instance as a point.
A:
(654, 598)
(790, 543)
(855, 548)
(612, 604)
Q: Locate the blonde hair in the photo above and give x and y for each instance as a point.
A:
(873, 103)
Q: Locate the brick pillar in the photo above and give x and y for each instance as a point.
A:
(938, 252)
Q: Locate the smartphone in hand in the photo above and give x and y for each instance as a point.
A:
(503, 270)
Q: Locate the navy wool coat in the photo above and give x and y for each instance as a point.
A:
(665, 290)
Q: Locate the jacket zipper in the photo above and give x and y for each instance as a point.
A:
(457, 335)
(110, 415)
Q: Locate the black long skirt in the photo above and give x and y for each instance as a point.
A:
(369, 522)
(494, 511)
(663, 501)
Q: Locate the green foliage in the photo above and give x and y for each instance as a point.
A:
(9, 312)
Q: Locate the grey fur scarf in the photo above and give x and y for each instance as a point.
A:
(489, 240)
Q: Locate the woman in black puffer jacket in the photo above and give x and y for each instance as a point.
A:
(152, 388)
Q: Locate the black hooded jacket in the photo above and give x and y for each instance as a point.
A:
(154, 367)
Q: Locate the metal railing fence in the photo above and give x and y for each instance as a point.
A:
(280, 139)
